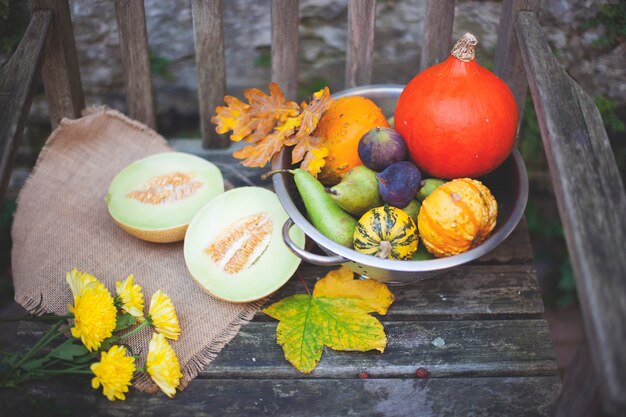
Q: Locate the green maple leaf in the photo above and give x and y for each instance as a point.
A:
(335, 315)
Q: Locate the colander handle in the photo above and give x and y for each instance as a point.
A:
(309, 257)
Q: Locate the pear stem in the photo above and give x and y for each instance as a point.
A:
(277, 171)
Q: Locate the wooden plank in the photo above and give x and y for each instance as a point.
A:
(131, 23)
(60, 72)
(18, 80)
(437, 41)
(359, 51)
(470, 292)
(464, 348)
(285, 22)
(582, 164)
(508, 63)
(445, 348)
(208, 32)
(520, 397)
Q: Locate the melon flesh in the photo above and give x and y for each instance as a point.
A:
(155, 198)
(234, 247)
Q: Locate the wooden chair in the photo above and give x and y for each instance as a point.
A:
(587, 183)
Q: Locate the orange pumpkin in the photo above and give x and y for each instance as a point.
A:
(456, 217)
(458, 119)
(342, 126)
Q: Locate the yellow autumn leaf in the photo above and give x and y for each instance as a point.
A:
(337, 319)
(373, 295)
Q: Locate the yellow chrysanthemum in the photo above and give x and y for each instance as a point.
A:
(114, 372)
(162, 365)
(131, 297)
(78, 281)
(94, 316)
(162, 315)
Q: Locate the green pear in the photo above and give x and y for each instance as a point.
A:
(413, 209)
(427, 186)
(357, 192)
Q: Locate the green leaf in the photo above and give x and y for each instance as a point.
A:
(124, 321)
(85, 358)
(336, 315)
(68, 350)
(33, 364)
(107, 343)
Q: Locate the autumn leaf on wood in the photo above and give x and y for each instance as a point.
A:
(335, 315)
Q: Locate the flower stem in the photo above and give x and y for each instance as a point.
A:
(52, 334)
(136, 329)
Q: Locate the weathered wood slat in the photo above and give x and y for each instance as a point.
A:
(508, 63)
(131, 23)
(520, 397)
(437, 40)
(208, 32)
(18, 80)
(285, 22)
(470, 348)
(591, 200)
(60, 72)
(360, 48)
(462, 348)
(470, 292)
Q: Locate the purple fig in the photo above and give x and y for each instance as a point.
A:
(398, 183)
(381, 147)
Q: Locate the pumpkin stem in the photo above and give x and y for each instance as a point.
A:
(385, 249)
(463, 49)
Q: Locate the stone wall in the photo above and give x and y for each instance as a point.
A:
(399, 28)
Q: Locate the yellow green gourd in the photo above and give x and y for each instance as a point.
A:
(386, 232)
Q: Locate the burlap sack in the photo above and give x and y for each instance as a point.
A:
(62, 222)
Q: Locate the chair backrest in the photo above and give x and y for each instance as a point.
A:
(588, 186)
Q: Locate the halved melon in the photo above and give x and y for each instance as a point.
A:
(156, 197)
(234, 247)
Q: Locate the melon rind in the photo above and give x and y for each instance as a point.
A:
(168, 222)
(271, 271)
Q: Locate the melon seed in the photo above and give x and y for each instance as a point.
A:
(240, 244)
(167, 189)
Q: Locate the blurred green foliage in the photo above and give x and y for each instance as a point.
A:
(613, 18)
(13, 23)
(161, 66)
(306, 90)
(264, 58)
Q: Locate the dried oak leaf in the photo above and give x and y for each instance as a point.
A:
(259, 154)
(234, 116)
(308, 148)
(335, 315)
(273, 106)
(311, 113)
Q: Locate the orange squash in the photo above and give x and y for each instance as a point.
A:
(458, 119)
(342, 126)
(456, 217)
